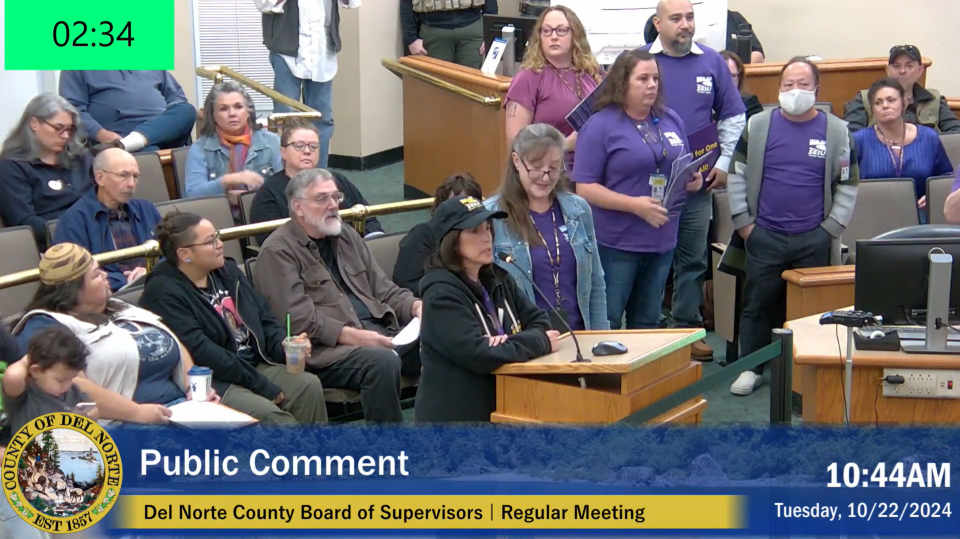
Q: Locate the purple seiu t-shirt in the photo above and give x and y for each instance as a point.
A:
(611, 152)
(491, 309)
(543, 271)
(794, 164)
(697, 85)
(956, 181)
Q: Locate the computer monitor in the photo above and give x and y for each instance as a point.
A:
(892, 278)
(523, 30)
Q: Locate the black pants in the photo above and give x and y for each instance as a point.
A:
(375, 374)
(769, 254)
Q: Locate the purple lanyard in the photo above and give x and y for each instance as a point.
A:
(492, 311)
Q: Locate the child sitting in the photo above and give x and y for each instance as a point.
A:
(42, 383)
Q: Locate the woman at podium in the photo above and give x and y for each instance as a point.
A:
(475, 318)
(625, 153)
(557, 72)
(549, 233)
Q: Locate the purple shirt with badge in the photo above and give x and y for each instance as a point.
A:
(611, 151)
(696, 85)
(794, 165)
(544, 261)
(956, 181)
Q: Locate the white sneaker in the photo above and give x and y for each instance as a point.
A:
(746, 383)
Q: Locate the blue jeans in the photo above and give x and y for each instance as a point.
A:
(316, 95)
(690, 261)
(170, 129)
(635, 284)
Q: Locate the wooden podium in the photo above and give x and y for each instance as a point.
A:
(822, 363)
(548, 390)
(840, 80)
(453, 121)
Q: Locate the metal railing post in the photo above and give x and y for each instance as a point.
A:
(781, 379)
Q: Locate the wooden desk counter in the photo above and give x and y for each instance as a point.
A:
(547, 389)
(813, 291)
(821, 361)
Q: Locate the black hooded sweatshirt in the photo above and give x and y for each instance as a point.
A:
(456, 384)
(171, 295)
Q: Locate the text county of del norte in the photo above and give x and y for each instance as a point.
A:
(384, 512)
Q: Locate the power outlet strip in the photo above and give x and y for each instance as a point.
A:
(923, 384)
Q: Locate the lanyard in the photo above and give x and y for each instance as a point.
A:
(663, 143)
(578, 91)
(891, 146)
(491, 309)
(554, 264)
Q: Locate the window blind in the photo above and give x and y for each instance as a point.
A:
(230, 34)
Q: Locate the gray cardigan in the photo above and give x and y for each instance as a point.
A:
(842, 175)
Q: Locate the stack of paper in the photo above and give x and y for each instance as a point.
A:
(408, 334)
(206, 415)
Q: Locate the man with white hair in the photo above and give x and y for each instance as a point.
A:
(323, 276)
(109, 218)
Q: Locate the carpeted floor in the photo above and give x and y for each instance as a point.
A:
(385, 184)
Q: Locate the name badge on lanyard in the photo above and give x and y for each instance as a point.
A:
(658, 187)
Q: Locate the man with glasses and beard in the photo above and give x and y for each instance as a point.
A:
(109, 218)
(323, 276)
(697, 85)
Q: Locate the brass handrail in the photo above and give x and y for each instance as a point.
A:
(403, 70)
(276, 121)
(150, 250)
(216, 74)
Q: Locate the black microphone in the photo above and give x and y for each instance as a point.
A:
(509, 260)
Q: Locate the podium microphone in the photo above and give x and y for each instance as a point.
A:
(509, 260)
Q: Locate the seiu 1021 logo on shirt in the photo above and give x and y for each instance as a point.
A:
(818, 148)
(673, 138)
(705, 85)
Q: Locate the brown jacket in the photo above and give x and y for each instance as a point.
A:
(292, 277)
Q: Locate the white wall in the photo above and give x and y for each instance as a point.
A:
(19, 87)
(860, 29)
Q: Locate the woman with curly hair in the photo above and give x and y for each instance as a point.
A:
(558, 71)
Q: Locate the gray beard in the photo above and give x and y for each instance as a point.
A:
(682, 47)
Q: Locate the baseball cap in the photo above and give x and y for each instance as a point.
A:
(909, 50)
(461, 213)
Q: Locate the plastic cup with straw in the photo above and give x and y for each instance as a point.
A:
(295, 350)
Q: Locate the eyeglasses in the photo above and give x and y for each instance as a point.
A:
(61, 130)
(300, 146)
(325, 198)
(536, 174)
(562, 31)
(125, 175)
(212, 242)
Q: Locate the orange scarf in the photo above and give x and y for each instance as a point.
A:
(237, 145)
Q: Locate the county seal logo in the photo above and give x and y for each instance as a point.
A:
(62, 473)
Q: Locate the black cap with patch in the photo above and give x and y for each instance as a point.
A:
(461, 213)
(909, 50)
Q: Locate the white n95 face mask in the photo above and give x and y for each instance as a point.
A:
(797, 101)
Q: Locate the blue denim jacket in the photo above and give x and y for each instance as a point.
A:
(591, 289)
(208, 161)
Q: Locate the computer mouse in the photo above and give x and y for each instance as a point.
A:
(608, 348)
